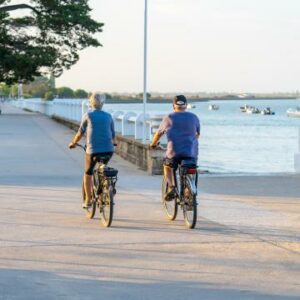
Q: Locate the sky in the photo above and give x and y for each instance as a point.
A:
(193, 45)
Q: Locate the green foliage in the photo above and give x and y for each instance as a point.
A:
(80, 94)
(27, 96)
(65, 92)
(49, 96)
(38, 87)
(46, 40)
(141, 95)
(14, 90)
(4, 90)
(108, 96)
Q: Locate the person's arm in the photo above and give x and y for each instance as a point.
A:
(80, 132)
(113, 133)
(160, 132)
(75, 140)
(155, 139)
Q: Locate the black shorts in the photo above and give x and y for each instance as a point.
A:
(175, 161)
(92, 159)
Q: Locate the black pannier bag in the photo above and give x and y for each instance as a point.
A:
(110, 172)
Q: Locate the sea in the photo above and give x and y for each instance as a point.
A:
(240, 143)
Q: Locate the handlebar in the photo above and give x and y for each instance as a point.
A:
(81, 146)
(84, 147)
(159, 147)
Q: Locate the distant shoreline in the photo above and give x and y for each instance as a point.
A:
(155, 100)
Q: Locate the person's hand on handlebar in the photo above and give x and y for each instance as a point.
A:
(154, 146)
(72, 145)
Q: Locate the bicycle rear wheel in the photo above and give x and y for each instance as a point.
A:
(107, 206)
(189, 208)
(170, 206)
(90, 212)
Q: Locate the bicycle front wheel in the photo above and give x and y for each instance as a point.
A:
(107, 206)
(171, 205)
(90, 212)
(190, 208)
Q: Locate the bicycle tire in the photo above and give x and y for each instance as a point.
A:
(170, 207)
(89, 212)
(190, 209)
(107, 206)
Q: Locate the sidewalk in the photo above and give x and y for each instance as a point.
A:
(246, 244)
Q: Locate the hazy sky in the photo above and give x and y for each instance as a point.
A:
(194, 45)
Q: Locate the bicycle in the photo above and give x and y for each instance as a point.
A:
(104, 190)
(186, 194)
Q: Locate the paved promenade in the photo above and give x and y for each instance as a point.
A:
(246, 244)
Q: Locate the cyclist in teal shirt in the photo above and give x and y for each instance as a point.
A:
(100, 139)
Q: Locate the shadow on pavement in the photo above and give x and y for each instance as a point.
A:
(28, 284)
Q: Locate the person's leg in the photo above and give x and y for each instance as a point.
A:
(169, 176)
(88, 178)
(88, 184)
(169, 165)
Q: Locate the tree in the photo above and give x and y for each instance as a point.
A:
(80, 94)
(49, 96)
(141, 95)
(46, 39)
(38, 87)
(4, 90)
(65, 92)
(108, 96)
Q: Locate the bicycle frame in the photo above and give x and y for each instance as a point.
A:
(103, 180)
(185, 178)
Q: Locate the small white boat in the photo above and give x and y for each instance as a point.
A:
(252, 110)
(267, 111)
(189, 106)
(294, 113)
(244, 108)
(213, 107)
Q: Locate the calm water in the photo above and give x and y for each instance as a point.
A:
(232, 141)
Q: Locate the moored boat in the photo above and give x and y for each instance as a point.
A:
(189, 106)
(267, 111)
(244, 108)
(294, 113)
(252, 110)
(213, 107)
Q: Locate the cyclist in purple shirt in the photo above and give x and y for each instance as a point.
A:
(183, 130)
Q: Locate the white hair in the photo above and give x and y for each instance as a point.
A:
(97, 100)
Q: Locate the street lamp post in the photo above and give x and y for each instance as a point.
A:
(145, 70)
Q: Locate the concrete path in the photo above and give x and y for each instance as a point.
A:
(246, 245)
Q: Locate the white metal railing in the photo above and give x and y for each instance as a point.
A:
(127, 123)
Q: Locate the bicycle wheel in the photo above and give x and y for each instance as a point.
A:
(107, 206)
(90, 212)
(189, 208)
(170, 206)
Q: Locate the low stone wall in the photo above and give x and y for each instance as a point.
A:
(131, 150)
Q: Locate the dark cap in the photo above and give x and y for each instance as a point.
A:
(180, 100)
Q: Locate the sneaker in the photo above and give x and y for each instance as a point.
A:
(171, 194)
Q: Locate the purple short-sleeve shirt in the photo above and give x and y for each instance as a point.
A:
(181, 129)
